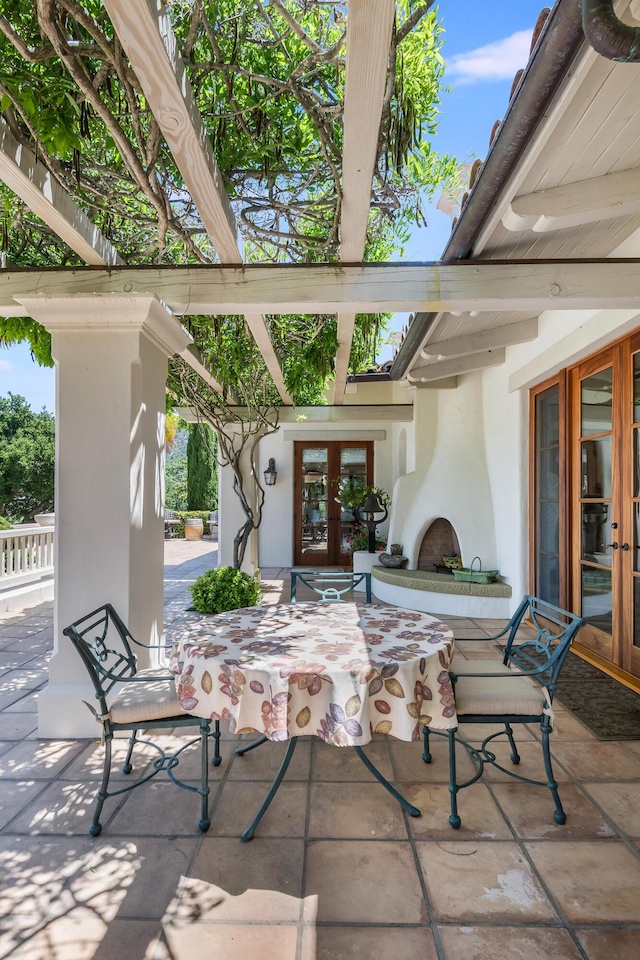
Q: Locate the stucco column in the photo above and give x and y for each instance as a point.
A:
(111, 369)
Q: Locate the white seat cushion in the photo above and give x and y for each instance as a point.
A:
(496, 696)
(155, 699)
(459, 664)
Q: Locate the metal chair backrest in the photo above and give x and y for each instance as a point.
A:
(103, 642)
(542, 655)
(341, 582)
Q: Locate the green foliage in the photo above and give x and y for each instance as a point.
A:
(352, 491)
(4, 524)
(14, 330)
(202, 468)
(225, 588)
(268, 79)
(27, 452)
(175, 478)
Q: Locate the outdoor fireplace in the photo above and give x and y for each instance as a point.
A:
(439, 541)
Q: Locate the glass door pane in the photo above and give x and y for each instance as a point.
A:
(313, 547)
(547, 495)
(596, 483)
(353, 471)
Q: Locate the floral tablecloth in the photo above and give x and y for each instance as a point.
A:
(339, 671)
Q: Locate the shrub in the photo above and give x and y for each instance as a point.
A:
(4, 524)
(225, 588)
(359, 540)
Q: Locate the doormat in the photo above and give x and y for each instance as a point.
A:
(610, 710)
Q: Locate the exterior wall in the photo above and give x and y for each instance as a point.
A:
(477, 475)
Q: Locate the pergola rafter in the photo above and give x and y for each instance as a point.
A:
(369, 26)
(151, 46)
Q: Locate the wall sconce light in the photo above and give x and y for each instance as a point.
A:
(270, 473)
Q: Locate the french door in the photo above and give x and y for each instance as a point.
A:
(321, 524)
(605, 502)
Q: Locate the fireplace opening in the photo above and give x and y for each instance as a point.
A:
(439, 541)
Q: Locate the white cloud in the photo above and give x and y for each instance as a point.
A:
(5, 365)
(495, 61)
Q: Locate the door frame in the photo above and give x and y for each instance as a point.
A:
(334, 528)
(617, 656)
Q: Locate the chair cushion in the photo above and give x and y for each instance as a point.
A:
(155, 699)
(459, 664)
(497, 696)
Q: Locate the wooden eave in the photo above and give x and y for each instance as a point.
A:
(575, 193)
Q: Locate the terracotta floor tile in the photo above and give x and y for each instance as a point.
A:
(16, 726)
(358, 881)
(591, 881)
(482, 881)
(88, 765)
(610, 944)
(476, 732)
(342, 763)
(507, 943)
(467, 651)
(621, 802)
(263, 762)
(14, 797)
(62, 808)
(481, 818)
(253, 882)
(599, 760)
(409, 765)
(27, 703)
(239, 803)
(566, 727)
(365, 943)
(221, 941)
(65, 938)
(356, 810)
(41, 759)
(159, 807)
(531, 763)
(34, 871)
(530, 810)
(131, 879)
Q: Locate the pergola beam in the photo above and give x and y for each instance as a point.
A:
(486, 286)
(32, 182)
(145, 32)
(369, 26)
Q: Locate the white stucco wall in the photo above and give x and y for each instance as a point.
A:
(477, 476)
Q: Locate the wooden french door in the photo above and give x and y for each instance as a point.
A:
(605, 502)
(321, 524)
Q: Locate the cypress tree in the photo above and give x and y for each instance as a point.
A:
(202, 472)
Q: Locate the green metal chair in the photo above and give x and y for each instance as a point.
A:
(142, 699)
(342, 582)
(502, 693)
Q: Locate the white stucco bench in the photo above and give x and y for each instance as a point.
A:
(440, 593)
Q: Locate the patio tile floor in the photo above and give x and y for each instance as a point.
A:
(337, 871)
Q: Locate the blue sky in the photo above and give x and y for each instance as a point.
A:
(484, 47)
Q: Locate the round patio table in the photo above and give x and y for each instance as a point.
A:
(338, 671)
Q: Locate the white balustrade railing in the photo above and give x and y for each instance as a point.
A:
(25, 554)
